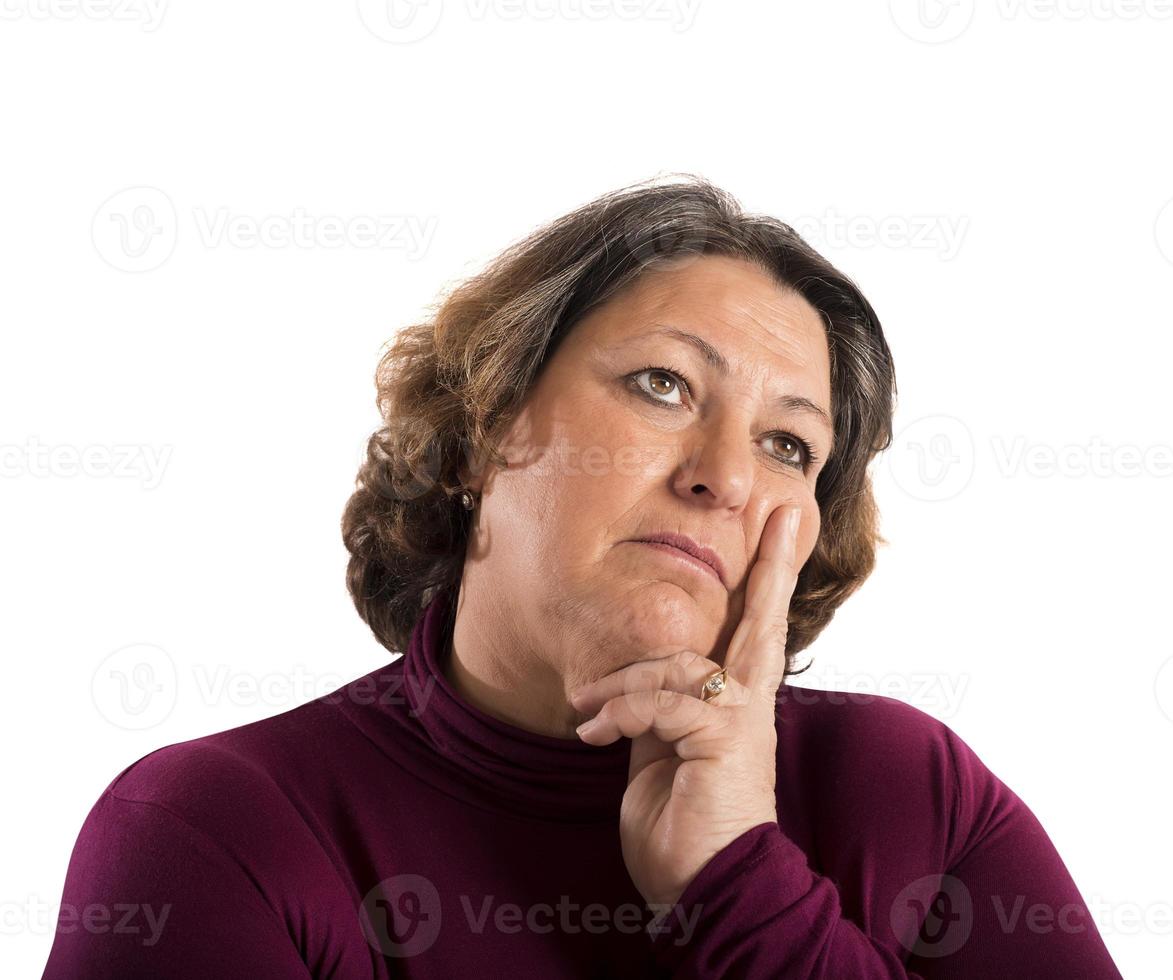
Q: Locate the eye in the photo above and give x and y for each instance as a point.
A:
(660, 384)
(794, 444)
(663, 382)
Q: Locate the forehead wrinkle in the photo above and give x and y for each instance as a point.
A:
(794, 347)
(785, 309)
(779, 311)
(791, 346)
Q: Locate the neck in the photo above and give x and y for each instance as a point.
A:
(488, 663)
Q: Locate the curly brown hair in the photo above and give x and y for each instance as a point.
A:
(445, 386)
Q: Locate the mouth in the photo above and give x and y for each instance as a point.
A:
(687, 551)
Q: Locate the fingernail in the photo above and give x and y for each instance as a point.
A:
(585, 727)
(793, 518)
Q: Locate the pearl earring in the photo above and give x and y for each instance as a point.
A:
(466, 500)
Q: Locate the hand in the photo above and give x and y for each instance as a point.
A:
(702, 773)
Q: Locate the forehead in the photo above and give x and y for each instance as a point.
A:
(735, 305)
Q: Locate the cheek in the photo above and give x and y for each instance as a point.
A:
(602, 458)
(571, 489)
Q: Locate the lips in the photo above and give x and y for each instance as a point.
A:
(683, 542)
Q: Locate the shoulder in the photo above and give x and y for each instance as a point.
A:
(863, 728)
(881, 762)
(224, 837)
(248, 761)
(247, 808)
(254, 789)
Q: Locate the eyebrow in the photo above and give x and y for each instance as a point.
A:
(788, 403)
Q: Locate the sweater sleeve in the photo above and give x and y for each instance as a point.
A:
(1002, 905)
(757, 911)
(1007, 905)
(147, 895)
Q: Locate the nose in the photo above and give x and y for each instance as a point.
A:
(716, 466)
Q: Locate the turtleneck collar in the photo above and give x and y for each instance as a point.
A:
(412, 712)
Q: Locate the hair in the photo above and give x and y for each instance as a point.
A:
(446, 384)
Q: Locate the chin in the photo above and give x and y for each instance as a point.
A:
(658, 618)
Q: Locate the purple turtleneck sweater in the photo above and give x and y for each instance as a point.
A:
(390, 829)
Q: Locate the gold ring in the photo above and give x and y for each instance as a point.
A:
(713, 685)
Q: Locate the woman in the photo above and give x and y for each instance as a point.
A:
(621, 484)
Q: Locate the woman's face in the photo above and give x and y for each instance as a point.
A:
(632, 430)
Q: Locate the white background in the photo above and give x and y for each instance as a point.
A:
(996, 178)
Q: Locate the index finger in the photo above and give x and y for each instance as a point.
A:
(756, 654)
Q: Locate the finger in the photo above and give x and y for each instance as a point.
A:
(670, 715)
(685, 671)
(756, 655)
